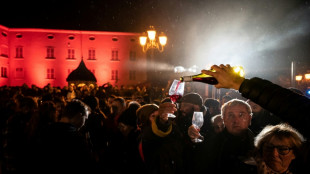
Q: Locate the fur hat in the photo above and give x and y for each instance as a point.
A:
(193, 98)
(144, 112)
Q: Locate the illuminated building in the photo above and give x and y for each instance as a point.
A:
(47, 56)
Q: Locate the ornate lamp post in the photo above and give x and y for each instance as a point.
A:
(151, 42)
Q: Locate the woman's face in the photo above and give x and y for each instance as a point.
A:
(278, 154)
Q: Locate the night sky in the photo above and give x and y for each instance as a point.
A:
(261, 35)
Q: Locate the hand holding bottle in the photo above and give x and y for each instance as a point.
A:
(226, 76)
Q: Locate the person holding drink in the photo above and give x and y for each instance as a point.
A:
(226, 151)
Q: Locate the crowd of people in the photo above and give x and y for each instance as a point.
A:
(116, 131)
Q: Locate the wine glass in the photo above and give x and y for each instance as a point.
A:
(197, 121)
(176, 91)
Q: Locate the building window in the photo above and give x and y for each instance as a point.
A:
(19, 73)
(19, 35)
(115, 55)
(91, 54)
(132, 75)
(50, 73)
(71, 37)
(5, 34)
(71, 53)
(114, 75)
(19, 52)
(50, 53)
(132, 55)
(50, 36)
(115, 39)
(92, 38)
(4, 51)
(4, 72)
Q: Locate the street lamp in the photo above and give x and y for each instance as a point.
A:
(149, 41)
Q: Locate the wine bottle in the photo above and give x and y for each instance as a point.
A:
(204, 78)
(200, 78)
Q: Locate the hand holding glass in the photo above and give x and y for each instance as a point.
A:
(176, 91)
(197, 121)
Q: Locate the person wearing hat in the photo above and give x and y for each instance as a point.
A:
(123, 148)
(167, 147)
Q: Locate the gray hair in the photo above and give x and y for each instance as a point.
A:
(235, 102)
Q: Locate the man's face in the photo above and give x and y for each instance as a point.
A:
(236, 119)
(186, 109)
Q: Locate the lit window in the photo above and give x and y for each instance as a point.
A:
(71, 37)
(71, 53)
(91, 54)
(50, 74)
(19, 52)
(50, 36)
(19, 35)
(19, 73)
(4, 51)
(50, 53)
(114, 55)
(115, 39)
(114, 75)
(5, 34)
(92, 38)
(4, 72)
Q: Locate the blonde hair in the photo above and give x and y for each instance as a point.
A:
(281, 131)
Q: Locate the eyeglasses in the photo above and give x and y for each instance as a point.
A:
(282, 150)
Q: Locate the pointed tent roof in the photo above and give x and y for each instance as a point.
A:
(81, 73)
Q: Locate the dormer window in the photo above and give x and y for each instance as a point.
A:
(50, 36)
(71, 37)
(114, 39)
(5, 34)
(91, 37)
(19, 35)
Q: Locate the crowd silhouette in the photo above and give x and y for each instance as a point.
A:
(114, 130)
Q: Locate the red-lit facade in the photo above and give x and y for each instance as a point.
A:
(41, 56)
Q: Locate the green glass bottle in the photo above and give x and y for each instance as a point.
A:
(204, 78)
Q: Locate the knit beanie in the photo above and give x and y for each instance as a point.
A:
(129, 117)
(144, 112)
(193, 98)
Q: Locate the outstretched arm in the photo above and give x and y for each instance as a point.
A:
(225, 76)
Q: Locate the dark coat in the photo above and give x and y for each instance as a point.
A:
(225, 153)
(163, 155)
(286, 104)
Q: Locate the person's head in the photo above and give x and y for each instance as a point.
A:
(118, 105)
(146, 114)
(278, 145)
(225, 99)
(255, 107)
(128, 119)
(237, 115)
(76, 112)
(213, 106)
(48, 112)
(92, 102)
(110, 99)
(189, 103)
(217, 123)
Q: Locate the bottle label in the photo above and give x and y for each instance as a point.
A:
(187, 79)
